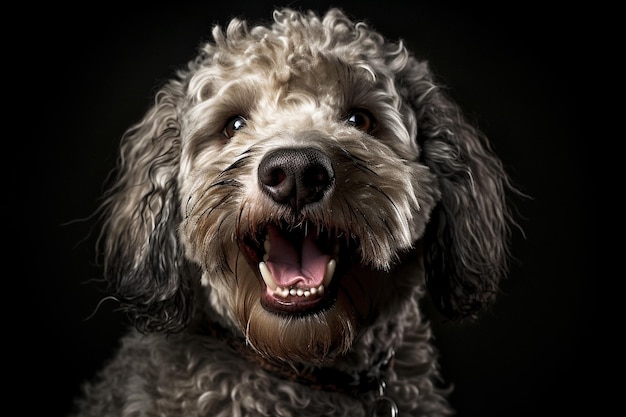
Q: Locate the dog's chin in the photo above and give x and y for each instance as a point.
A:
(313, 339)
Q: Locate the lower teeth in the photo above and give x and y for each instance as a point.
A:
(299, 292)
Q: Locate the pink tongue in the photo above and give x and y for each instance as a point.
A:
(290, 268)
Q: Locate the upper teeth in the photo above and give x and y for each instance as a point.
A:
(299, 290)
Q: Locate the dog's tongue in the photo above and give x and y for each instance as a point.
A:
(292, 265)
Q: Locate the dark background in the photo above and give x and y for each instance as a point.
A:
(84, 75)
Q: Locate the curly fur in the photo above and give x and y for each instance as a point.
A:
(415, 201)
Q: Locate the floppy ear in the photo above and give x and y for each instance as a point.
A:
(143, 262)
(466, 240)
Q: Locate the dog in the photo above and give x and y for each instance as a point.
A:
(275, 220)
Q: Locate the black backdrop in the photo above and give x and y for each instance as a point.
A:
(81, 77)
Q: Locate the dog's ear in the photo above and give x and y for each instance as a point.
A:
(143, 262)
(466, 240)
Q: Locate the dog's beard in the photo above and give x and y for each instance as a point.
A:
(314, 338)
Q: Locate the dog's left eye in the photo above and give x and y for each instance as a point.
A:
(362, 120)
(233, 125)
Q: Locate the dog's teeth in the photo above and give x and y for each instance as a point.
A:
(267, 276)
(266, 257)
(267, 245)
(299, 292)
(330, 271)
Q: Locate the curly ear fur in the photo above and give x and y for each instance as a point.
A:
(466, 240)
(143, 261)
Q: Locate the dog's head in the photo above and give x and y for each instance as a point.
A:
(307, 173)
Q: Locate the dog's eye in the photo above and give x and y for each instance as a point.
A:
(362, 120)
(233, 125)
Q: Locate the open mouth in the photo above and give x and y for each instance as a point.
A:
(297, 265)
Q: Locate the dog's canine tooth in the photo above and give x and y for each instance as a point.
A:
(267, 276)
(330, 271)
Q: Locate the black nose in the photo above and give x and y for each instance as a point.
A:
(296, 176)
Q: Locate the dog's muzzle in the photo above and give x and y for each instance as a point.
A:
(296, 260)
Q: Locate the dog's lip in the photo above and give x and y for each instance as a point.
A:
(296, 289)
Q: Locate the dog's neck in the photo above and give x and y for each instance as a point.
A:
(353, 383)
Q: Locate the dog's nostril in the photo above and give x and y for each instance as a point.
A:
(296, 176)
(274, 177)
(316, 177)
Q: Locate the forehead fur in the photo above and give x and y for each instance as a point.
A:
(296, 45)
(301, 64)
(294, 35)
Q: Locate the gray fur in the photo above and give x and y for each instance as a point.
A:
(419, 200)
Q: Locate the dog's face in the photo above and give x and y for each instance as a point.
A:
(299, 166)
(300, 171)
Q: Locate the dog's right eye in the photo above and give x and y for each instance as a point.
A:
(233, 125)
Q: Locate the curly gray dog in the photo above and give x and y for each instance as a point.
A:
(276, 217)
